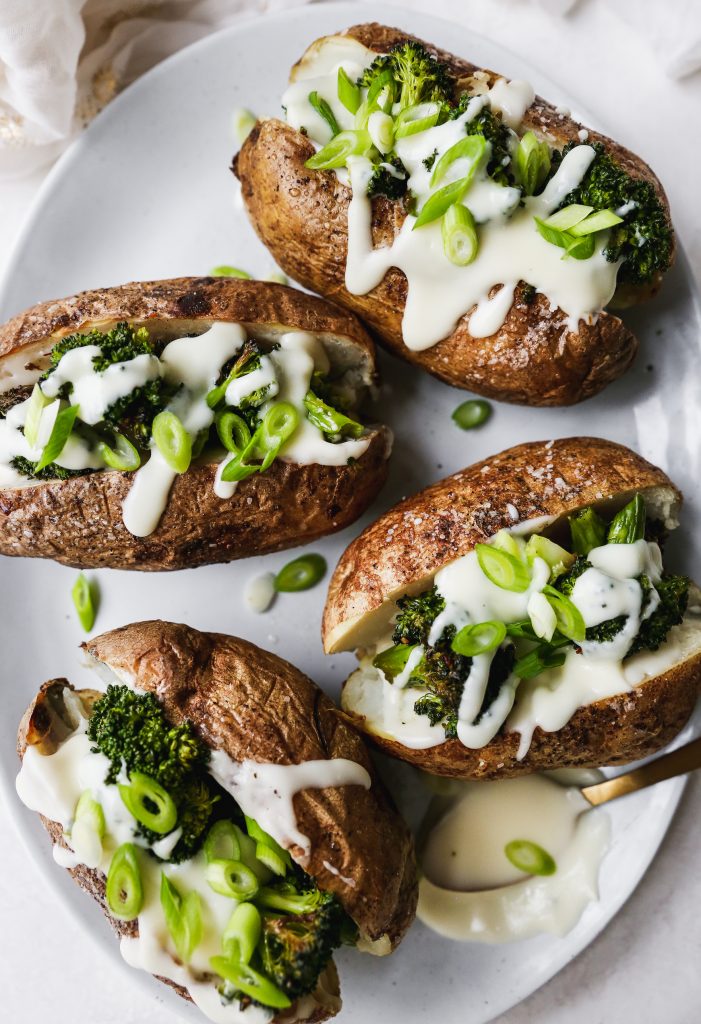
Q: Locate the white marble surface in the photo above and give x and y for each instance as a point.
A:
(644, 966)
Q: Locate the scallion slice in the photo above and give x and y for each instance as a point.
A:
(300, 574)
(183, 916)
(63, 425)
(223, 842)
(242, 933)
(172, 440)
(392, 661)
(324, 111)
(459, 233)
(84, 602)
(628, 525)
(472, 147)
(440, 201)
(231, 878)
(268, 851)
(123, 456)
(244, 979)
(226, 271)
(601, 220)
(418, 118)
(532, 163)
(124, 890)
(569, 618)
(37, 403)
(502, 569)
(472, 413)
(148, 802)
(336, 152)
(244, 121)
(538, 660)
(348, 92)
(566, 218)
(479, 638)
(233, 431)
(529, 857)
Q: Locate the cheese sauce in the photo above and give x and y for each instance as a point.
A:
(52, 785)
(471, 891)
(510, 247)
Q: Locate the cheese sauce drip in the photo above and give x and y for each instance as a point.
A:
(511, 249)
(52, 785)
(193, 366)
(591, 672)
(471, 891)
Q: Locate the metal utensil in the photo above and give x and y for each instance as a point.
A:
(677, 762)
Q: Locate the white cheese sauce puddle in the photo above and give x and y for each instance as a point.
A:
(51, 786)
(470, 891)
(510, 246)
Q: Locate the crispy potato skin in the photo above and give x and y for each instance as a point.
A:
(79, 521)
(402, 551)
(301, 216)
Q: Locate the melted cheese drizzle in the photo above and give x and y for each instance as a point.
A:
(510, 246)
(605, 591)
(470, 891)
(195, 363)
(51, 786)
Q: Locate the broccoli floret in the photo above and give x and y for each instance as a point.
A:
(122, 343)
(133, 414)
(491, 126)
(644, 239)
(419, 77)
(605, 631)
(51, 472)
(416, 617)
(430, 160)
(131, 730)
(674, 596)
(297, 944)
(384, 183)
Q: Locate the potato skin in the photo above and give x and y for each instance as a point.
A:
(534, 359)
(79, 521)
(403, 550)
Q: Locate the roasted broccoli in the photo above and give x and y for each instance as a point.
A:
(133, 414)
(132, 732)
(50, 472)
(385, 182)
(122, 343)
(418, 77)
(296, 946)
(644, 240)
(416, 615)
(674, 595)
(495, 132)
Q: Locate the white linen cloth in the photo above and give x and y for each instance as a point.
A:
(61, 61)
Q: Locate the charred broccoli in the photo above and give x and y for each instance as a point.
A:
(644, 240)
(131, 730)
(122, 343)
(495, 132)
(417, 76)
(50, 472)
(385, 182)
(416, 617)
(674, 595)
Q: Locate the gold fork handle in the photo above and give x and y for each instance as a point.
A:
(677, 762)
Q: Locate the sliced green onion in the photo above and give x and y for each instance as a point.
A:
(599, 221)
(85, 605)
(268, 851)
(566, 218)
(336, 152)
(522, 629)
(507, 541)
(532, 163)
(90, 811)
(503, 569)
(472, 413)
(244, 121)
(242, 933)
(383, 82)
(124, 891)
(226, 271)
(141, 795)
(588, 531)
(231, 878)
(553, 235)
(480, 638)
(250, 982)
(437, 204)
(123, 456)
(183, 916)
(222, 842)
(63, 424)
(300, 574)
(472, 147)
(569, 618)
(172, 440)
(381, 130)
(393, 661)
(580, 248)
(538, 660)
(555, 556)
(278, 426)
(529, 857)
(233, 431)
(628, 525)
(37, 403)
(329, 420)
(236, 470)
(459, 233)
(418, 118)
(324, 111)
(348, 92)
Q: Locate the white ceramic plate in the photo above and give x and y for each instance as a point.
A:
(146, 192)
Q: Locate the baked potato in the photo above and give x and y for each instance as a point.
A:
(516, 616)
(529, 225)
(221, 775)
(169, 424)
